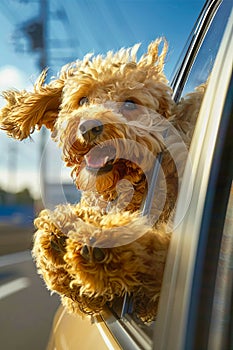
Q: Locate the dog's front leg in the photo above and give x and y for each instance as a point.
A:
(91, 259)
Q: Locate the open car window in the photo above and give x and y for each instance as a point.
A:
(196, 63)
(203, 64)
(193, 70)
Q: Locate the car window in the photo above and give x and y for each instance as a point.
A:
(197, 68)
(203, 64)
(198, 71)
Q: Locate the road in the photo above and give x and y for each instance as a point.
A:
(15, 238)
(26, 306)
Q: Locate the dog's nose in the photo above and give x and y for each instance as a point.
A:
(90, 129)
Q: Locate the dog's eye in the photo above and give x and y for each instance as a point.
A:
(129, 105)
(83, 100)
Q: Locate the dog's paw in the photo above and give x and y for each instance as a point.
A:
(91, 260)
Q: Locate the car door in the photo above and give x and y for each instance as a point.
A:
(189, 317)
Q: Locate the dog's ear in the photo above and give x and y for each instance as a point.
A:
(26, 111)
(154, 59)
(153, 64)
(153, 54)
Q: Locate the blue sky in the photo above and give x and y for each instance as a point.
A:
(76, 27)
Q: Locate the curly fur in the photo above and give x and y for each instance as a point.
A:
(102, 248)
(103, 277)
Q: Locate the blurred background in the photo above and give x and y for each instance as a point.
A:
(50, 33)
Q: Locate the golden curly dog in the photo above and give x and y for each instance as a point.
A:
(114, 117)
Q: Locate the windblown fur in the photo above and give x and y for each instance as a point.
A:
(112, 116)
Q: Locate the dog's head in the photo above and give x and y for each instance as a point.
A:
(106, 113)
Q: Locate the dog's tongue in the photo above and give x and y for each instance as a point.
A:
(98, 157)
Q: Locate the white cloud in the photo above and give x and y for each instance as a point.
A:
(12, 78)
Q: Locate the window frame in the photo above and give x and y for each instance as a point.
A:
(191, 49)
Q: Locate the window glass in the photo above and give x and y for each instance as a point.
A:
(204, 61)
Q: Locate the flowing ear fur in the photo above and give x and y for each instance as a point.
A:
(154, 61)
(25, 111)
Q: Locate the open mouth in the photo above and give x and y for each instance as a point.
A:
(100, 159)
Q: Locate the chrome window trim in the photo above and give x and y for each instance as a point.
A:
(126, 332)
(171, 331)
(194, 42)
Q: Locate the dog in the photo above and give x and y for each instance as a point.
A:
(115, 120)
